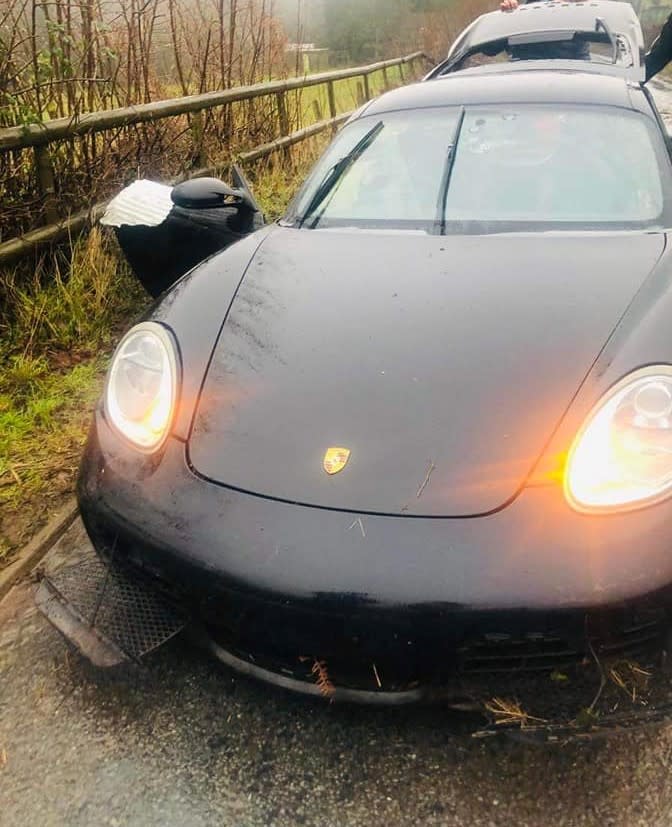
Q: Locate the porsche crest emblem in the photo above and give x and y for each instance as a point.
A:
(335, 460)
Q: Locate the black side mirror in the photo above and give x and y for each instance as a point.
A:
(209, 193)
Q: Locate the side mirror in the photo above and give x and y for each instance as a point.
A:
(209, 193)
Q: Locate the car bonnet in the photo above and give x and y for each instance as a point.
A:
(441, 364)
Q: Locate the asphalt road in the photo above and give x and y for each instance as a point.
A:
(184, 742)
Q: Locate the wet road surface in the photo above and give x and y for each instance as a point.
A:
(183, 741)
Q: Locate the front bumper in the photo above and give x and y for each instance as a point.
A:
(450, 608)
(114, 615)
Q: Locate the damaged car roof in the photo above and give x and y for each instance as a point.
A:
(608, 21)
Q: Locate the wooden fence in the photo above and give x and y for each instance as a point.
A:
(39, 136)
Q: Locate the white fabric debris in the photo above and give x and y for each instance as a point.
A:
(143, 203)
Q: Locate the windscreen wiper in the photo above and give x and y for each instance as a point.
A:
(339, 169)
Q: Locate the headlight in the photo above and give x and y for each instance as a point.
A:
(622, 457)
(141, 389)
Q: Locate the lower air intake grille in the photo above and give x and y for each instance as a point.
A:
(530, 652)
(126, 611)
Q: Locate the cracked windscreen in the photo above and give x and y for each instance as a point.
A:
(490, 169)
(553, 166)
(396, 181)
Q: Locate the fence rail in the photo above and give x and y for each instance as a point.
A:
(39, 136)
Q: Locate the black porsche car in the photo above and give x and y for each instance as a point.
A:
(416, 436)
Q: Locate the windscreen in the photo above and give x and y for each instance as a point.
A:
(488, 169)
(395, 180)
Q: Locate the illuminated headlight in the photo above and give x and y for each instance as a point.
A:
(141, 390)
(622, 457)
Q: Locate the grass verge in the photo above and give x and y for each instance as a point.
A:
(53, 354)
(55, 344)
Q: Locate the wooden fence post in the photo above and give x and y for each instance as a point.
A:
(283, 117)
(401, 72)
(367, 87)
(47, 182)
(332, 101)
(386, 80)
(200, 156)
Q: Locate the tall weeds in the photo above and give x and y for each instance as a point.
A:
(70, 303)
(52, 355)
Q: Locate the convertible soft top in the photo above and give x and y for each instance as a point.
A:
(535, 24)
